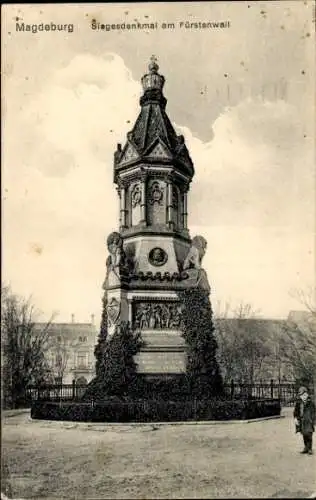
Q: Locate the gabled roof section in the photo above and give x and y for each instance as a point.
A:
(153, 127)
(129, 154)
(159, 150)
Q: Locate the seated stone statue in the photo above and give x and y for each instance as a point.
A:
(116, 261)
(192, 264)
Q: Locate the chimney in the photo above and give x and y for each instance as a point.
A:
(72, 318)
(92, 319)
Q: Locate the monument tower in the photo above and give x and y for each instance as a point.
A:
(152, 257)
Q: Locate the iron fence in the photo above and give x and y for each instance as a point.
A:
(285, 392)
(56, 392)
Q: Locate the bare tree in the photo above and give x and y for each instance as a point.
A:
(307, 298)
(60, 355)
(279, 365)
(23, 347)
(243, 346)
(299, 338)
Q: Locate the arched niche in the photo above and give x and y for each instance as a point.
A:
(156, 202)
(135, 204)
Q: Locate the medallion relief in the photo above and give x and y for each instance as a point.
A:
(157, 256)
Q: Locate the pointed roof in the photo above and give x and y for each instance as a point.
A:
(151, 128)
(152, 123)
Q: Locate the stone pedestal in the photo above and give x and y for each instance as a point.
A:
(161, 362)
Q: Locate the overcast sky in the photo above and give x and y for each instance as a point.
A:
(243, 97)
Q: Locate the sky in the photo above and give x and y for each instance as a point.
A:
(242, 96)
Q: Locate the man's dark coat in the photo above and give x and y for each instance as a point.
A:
(307, 419)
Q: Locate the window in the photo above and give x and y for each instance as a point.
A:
(58, 360)
(82, 339)
(82, 360)
(59, 338)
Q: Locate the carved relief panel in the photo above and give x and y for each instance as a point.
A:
(157, 315)
(156, 202)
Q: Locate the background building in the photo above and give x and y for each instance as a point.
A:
(71, 348)
(71, 351)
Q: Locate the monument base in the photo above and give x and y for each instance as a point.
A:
(161, 362)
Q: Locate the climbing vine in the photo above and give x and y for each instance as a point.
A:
(198, 331)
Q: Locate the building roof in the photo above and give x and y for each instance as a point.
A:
(70, 331)
(298, 316)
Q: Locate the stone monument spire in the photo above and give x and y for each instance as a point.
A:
(154, 169)
(152, 257)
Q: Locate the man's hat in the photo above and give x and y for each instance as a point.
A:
(302, 391)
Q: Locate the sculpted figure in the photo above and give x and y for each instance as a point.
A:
(157, 312)
(176, 316)
(136, 196)
(116, 259)
(196, 253)
(137, 316)
(143, 316)
(165, 316)
(193, 261)
(154, 316)
(156, 194)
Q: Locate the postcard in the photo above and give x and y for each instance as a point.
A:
(158, 209)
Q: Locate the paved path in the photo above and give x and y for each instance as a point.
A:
(47, 460)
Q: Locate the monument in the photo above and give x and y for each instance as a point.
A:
(156, 351)
(152, 258)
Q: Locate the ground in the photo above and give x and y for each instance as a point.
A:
(44, 459)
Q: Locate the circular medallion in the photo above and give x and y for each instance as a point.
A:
(157, 257)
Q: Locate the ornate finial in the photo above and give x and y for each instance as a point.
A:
(153, 66)
(152, 81)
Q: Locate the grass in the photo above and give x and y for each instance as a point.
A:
(45, 459)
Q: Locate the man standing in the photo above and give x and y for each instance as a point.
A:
(304, 416)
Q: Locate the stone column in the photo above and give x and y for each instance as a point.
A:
(130, 311)
(169, 202)
(123, 206)
(118, 190)
(143, 215)
(185, 210)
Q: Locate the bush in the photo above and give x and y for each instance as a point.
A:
(116, 367)
(175, 386)
(198, 332)
(140, 410)
(161, 387)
